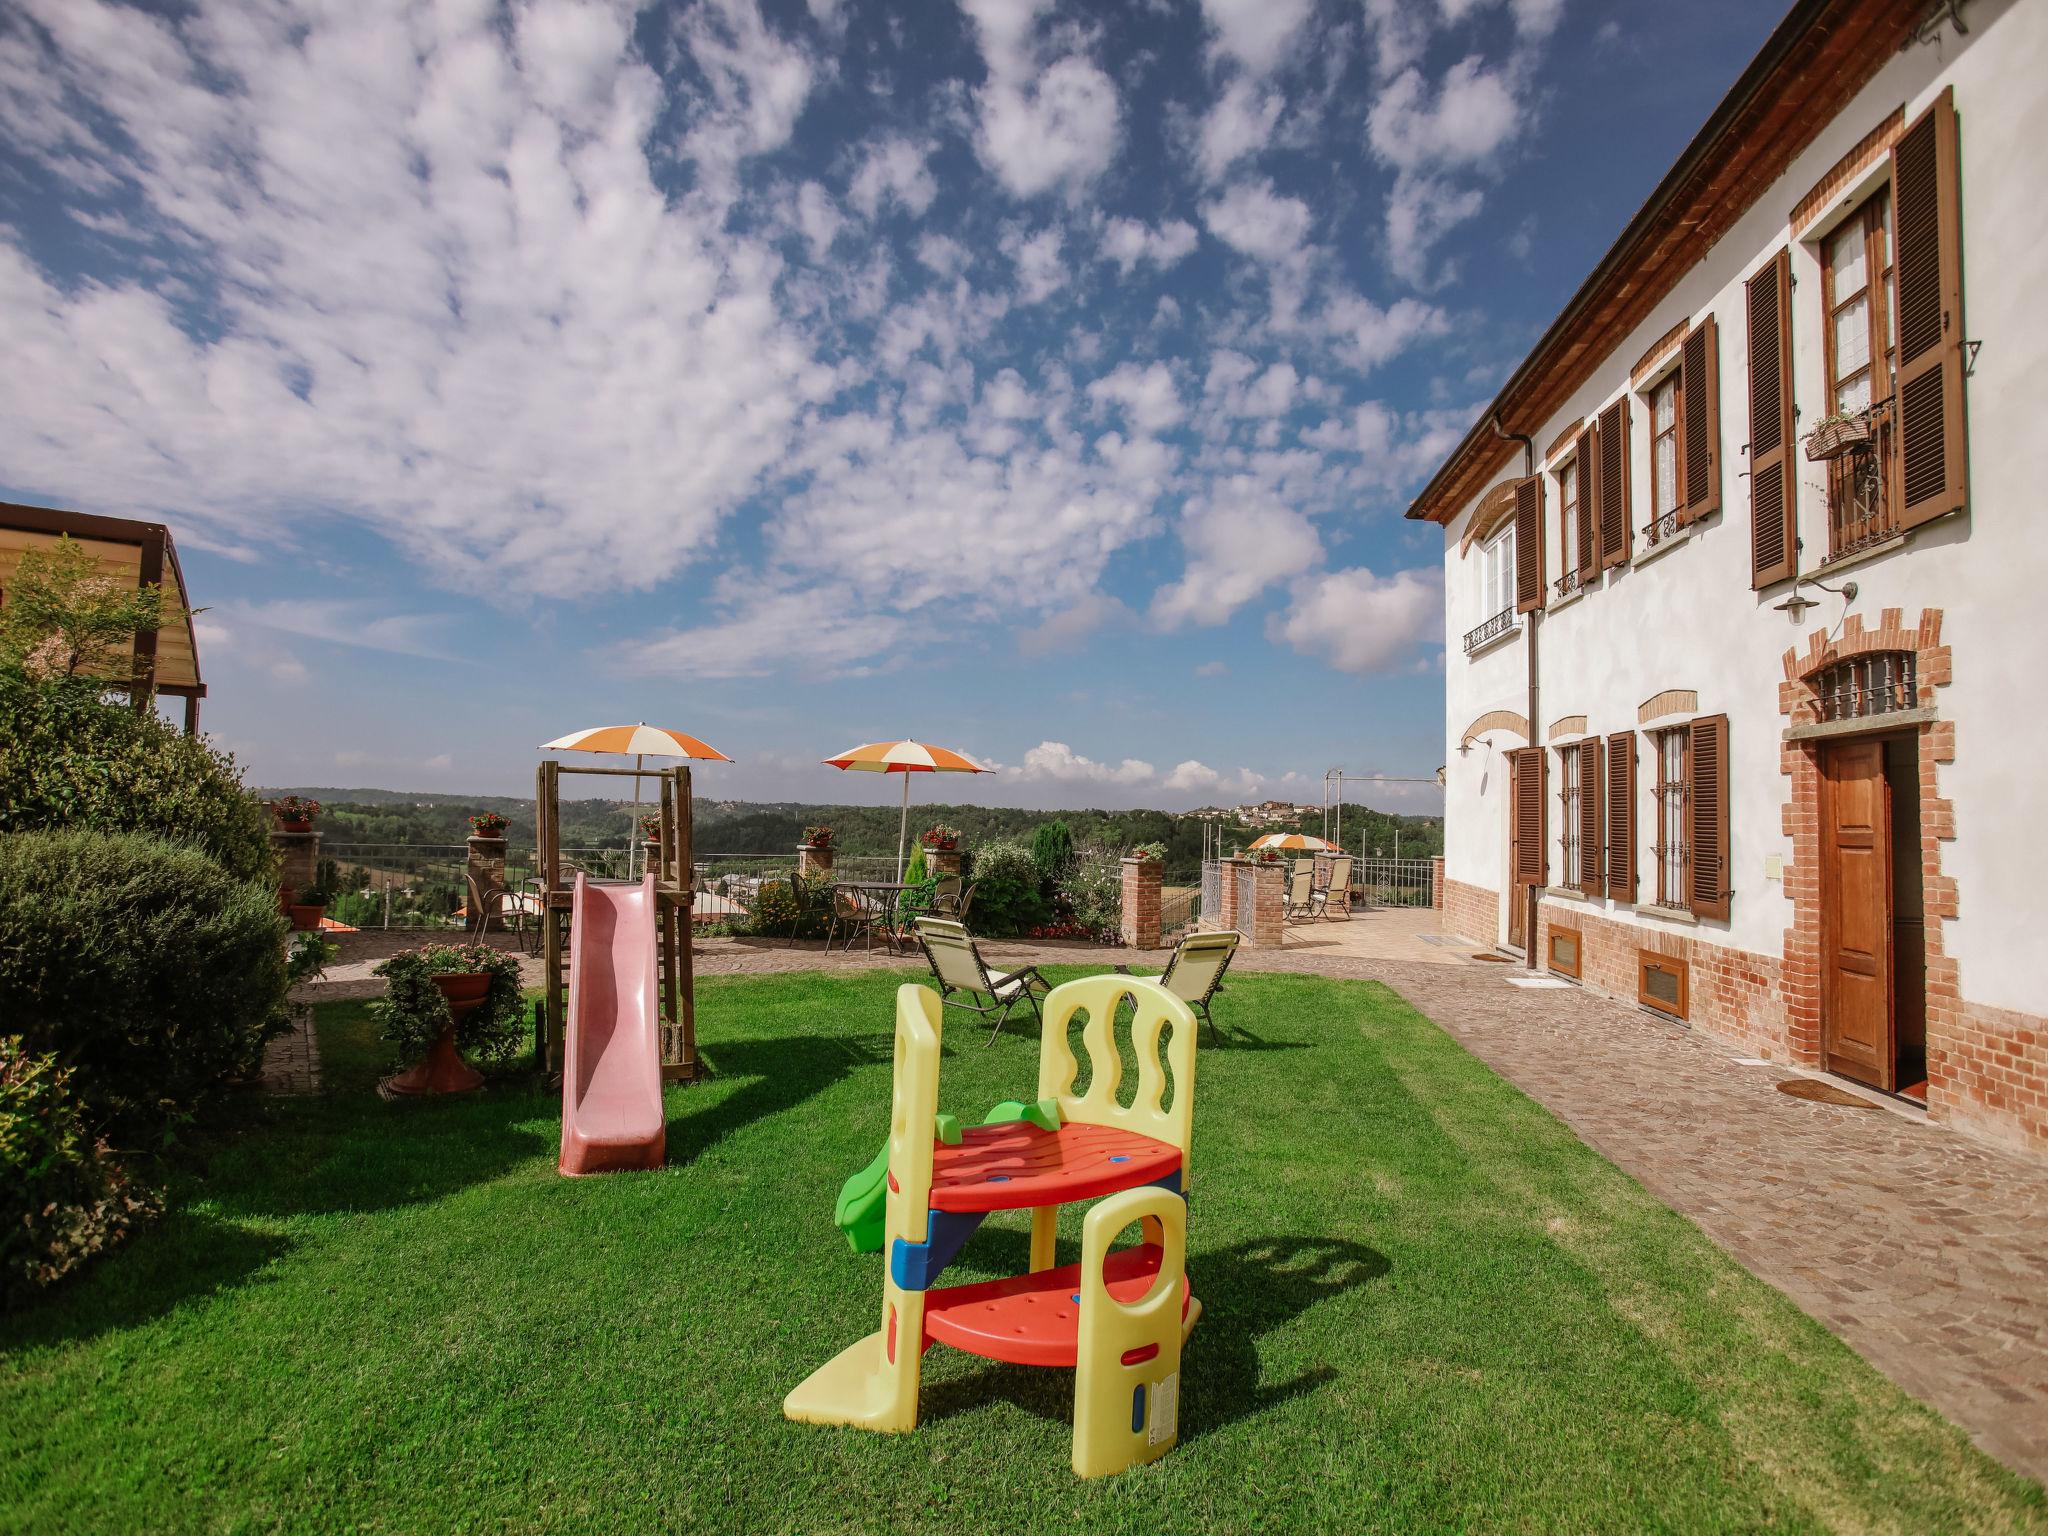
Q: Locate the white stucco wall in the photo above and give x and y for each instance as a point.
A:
(1688, 619)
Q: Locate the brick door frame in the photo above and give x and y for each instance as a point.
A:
(1799, 760)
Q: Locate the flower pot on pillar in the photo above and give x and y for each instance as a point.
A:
(1264, 925)
(815, 859)
(298, 862)
(1139, 923)
(442, 1069)
(941, 862)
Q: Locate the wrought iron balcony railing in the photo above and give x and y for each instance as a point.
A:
(1498, 625)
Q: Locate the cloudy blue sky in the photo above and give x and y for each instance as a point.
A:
(1042, 379)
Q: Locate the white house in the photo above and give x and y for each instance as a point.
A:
(1745, 576)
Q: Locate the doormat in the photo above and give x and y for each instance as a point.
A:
(1814, 1091)
(1495, 959)
(1536, 981)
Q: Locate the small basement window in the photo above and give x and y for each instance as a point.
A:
(1878, 683)
(1564, 951)
(1661, 983)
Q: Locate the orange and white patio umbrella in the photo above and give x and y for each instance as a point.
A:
(906, 758)
(1295, 842)
(642, 741)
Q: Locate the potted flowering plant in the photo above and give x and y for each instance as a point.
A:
(294, 813)
(817, 837)
(650, 826)
(1833, 436)
(942, 837)
(489, 824)
(445, 999)
(1153, 852)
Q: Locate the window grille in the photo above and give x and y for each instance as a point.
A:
(1880, 683)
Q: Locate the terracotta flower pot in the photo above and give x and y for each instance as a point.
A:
(305, 917)
(300, 824)
(442, 1069)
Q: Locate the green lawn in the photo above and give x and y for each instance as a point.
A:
(1428, 1307)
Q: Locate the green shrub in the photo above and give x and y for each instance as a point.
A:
(1006, 894)
(63, 1197)
(1093, 891)
(414, 1012)
(774, 908)
(1052, 850)
(68, 759)
(142, 965)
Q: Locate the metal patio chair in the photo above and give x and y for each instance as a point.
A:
(957, 967)
(1301, 896)
(1336, 893)
(1195, 972)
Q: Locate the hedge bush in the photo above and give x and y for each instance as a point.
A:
(63, 1197)
(147, 969)
(1006, 889)
(69, 759)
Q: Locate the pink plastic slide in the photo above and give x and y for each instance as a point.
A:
(611, 1070)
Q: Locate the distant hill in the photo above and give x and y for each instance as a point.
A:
(358, 815)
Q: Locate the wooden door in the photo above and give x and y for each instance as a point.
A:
(1517, 894)
(1856, 914)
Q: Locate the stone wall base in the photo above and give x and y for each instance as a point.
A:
(1470, 911)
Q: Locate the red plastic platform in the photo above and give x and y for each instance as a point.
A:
(1020, 1167)
(1034, 1319)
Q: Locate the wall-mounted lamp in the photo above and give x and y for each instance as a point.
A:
(1465, 746)
(1797, 603)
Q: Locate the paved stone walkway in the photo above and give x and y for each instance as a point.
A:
(1925, 1251)
(291, 1062)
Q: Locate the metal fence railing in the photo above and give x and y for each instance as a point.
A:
(1180, 908)
(1394, 882)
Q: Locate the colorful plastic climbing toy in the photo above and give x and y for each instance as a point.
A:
(1119, 1317)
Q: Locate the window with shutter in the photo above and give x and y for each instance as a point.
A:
(1621, 816)
(1930, 473)
(1589, 878)
(1613, 484)
(1529, 544)
(1773, 497)
(1568, 791)
(1530, 828)
(1700, 390)
(1588, 476)
(1707, 813)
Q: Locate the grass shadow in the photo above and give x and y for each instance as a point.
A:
(782, 1071)
(1247, 1290)
(183, 1258)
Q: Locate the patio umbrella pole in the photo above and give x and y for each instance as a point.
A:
(903, 828)
(633, 832)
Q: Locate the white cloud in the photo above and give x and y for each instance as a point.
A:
(758, 81)
(1258, 34)
(942, 254)
(1057, 761)
(765, 632)
(1147, 394)
(1127, 242)
(1255, 219)
(1045, 129)
(1040, 273)
(1465, 121)
(458, 308)
(339, 622)
(818, 217)
(1362, 623)
(1213, 669)
(1239, 540)
(1070, 628)
(1364, 335)
(1236, 386)
(1198, 778)
(1421, 210)
(893, 170)
(1239, 122)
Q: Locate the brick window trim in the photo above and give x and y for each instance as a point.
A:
(1799, 761)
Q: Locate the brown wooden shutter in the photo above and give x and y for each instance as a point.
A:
(1590, 881)
(1621, 816)
(1930, 472)
(1531, 824)
(1529, 544)
(1589, 552)
(1699, 387)
(1706, 814)
(1773, 489)
(1615, 532)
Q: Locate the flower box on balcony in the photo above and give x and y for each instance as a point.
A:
(1836, 435)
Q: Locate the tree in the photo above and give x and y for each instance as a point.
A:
(65, 617)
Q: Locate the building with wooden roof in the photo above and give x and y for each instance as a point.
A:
(164, 661)
(1742, 569)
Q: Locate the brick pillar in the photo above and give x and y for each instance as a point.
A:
(298, 858)
(486, 866)
(1226, 896)
(1139, 924)
(940, 863)
(1436, 883)
(814, 861)
(1269, 907)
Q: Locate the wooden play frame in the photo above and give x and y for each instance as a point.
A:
(672, 871)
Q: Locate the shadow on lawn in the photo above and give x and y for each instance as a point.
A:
(184, 1257)
(782, 1072)
(1248, 1289)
